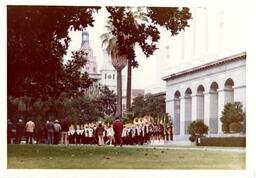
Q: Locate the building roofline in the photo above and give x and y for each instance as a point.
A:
(240, 56)
(163, 93)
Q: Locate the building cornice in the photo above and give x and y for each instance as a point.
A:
(237, 57)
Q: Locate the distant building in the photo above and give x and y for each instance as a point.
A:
(135, 93)
(107, 75)
(91, 66)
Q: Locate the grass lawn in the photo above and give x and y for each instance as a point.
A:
(94, 157)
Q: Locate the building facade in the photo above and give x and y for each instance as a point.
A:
(200, 93)
(91, 66)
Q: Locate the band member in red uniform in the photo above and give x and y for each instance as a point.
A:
(118, 129)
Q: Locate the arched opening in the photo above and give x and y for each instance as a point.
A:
(213, 120)
(229, 90)
(176, 119)
(200, 103)
(188, 109)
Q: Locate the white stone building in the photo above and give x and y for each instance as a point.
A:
(91, 66)
(202, 91)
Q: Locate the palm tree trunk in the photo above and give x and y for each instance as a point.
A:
(129, 86)
(119, 93)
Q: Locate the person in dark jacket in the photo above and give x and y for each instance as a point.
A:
(50, 130)
(64, 132)
(118, 129)
(20, 130)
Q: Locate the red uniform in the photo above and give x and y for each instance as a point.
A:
(118, 128)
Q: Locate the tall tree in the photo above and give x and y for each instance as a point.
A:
(145, 32)
(37, 40)
(118, 61)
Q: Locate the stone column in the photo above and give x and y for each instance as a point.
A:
(221, 103)
(182, 116)
(185, 114)
(211, 111)
(207, 117)
(173, 108)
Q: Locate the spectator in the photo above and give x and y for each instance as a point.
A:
(100, 130)
(110, 135)
(118, 128)
(20, 129)
(50, 131)
(57, 130)
(10, 127)
(30, 128)
(79, 134)
(71, 134)
(64, 132)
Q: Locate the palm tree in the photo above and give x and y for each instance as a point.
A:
(118, 61)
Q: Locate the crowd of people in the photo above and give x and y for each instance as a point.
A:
(54, 132)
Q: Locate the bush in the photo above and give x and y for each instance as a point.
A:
(236, 127)
(223, 141)
(232, 113)
(192, 138)
(225, 127)
(197, 129)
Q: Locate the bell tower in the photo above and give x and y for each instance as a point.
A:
(85, 37)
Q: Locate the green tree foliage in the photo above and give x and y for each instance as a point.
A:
(79, 109)
(138, 106)
(232, 113)
(148, 105)
(37, 40)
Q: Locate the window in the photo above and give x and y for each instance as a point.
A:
(105, 76)
(109, 76)
(124, 107)
(113, 76)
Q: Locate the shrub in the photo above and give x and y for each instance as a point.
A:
(192, 138)
(225, 127)
(236, 127)
(232, 113)
(197, 129)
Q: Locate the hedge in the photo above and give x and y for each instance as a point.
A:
(222, 141)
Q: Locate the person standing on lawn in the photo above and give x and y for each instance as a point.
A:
(64, 132)
(57, 130)
(30, 128)
(110, 135)
(20, 129)
(100, 130)
(50, 132)
(118, 129)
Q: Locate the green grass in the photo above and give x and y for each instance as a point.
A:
(94, 157)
